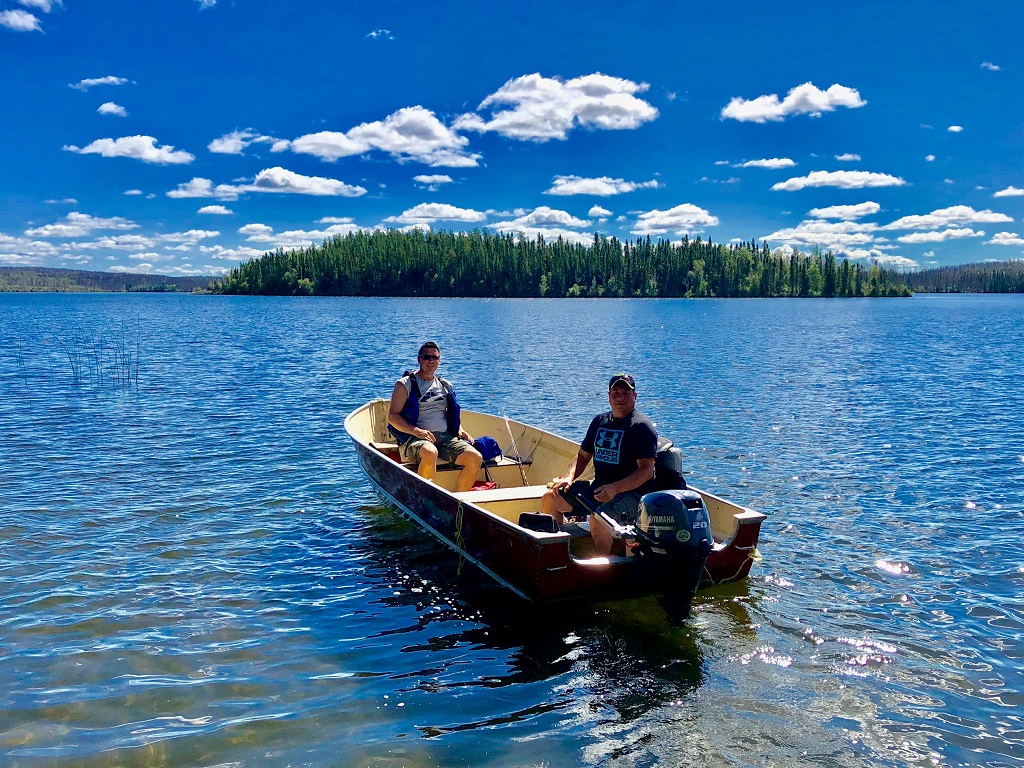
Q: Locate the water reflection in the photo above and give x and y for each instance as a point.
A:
(631, 655)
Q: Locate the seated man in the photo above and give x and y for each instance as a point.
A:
(424, 417)
(623, 443)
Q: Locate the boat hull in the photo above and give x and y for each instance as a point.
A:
(534, 565)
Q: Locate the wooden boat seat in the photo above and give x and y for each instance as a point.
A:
(393, 451)
(514, 493)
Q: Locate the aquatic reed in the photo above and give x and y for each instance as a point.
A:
(104, 356)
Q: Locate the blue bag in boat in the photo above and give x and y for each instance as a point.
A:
(488, 448)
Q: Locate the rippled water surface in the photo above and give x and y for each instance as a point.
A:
(193, 571)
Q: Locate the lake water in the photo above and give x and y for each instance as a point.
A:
(194, 572)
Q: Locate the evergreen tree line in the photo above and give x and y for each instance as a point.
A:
(989, 277)
(76, 280)
(479, 263)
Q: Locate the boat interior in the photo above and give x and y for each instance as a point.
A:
(530, 458)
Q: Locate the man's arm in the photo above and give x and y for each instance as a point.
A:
(577, 468)
(644, 472)
(398, 400)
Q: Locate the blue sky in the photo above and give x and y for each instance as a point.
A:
(184, 136)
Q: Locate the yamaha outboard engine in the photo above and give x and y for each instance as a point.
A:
(674, 535)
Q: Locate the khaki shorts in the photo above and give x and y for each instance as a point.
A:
(449, 447)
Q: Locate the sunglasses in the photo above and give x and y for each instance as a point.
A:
(430, 357)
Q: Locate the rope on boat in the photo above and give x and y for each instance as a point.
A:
(459, 543)
(752, 557)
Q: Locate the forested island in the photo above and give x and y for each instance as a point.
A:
(44, 279)
(479, 263)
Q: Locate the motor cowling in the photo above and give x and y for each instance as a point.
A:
(673, 532)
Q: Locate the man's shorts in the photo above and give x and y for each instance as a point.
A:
(449, 447)
(624, 508)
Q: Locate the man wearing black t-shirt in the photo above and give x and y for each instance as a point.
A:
(622, 444)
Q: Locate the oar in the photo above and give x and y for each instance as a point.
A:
(519, 459)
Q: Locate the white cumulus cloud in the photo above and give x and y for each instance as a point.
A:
(955, 128)
(191, 237)
(888, 260)
(828, 235)
(536, 108)
(80, 224)
(938, 237)
(426, 214)
(841, 179)
(603, 186)
(110, 108)
(274, 180)
(432, 182)
(234, 143)
(300, 238)
(772, 162)
(1006, 238)
(19, 21)
(597, 212)
(411, 133)
(1010, 191)
(142, 148)
(115, 243)
(230, 254)
(216, 210)
(199, 187)
(945, 217)
(84, 85)
(846, 212)
(541, 217)
(280, 180)
(848, 157)
(682, 219)
(805, 99)
(43, 5)
(256, 231)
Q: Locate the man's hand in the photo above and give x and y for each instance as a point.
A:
(605, 493)
(422, 434)
(559, 483)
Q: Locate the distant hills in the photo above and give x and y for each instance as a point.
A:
(987, 277)
(79, 280)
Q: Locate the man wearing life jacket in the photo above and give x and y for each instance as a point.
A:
(424, 418)
(622, 443)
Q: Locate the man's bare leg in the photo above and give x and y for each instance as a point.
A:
(603, 536)
(428, 462)
(551, 503)
(470, 461)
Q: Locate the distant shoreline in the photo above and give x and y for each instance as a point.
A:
(982, 278)
(54, 280)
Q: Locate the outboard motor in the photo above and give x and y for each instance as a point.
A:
(674, 538)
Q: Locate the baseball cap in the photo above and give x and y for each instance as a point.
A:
(623, 378)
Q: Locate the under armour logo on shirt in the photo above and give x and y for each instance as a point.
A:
(607, 444)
